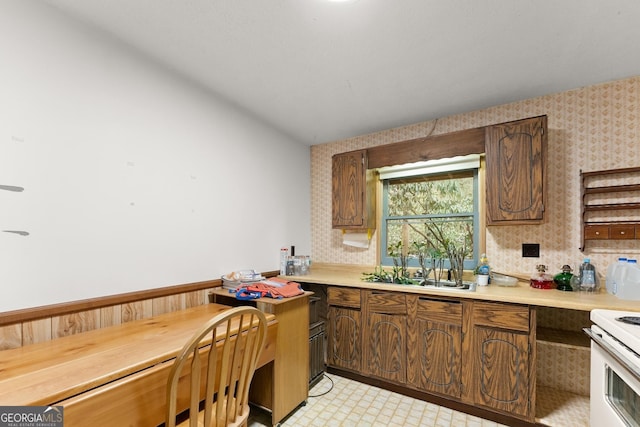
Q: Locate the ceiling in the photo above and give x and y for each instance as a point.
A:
(321, 71)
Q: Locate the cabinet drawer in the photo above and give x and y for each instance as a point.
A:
(622, 231)
(386, 302)
(343, 297)
(497, 315)
(596, 232)
(439, 310)
(637, 232)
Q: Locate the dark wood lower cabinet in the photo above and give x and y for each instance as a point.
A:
(499, 364)
(476, 356)
(501, 380)
(434, 345)
(344, 347)
(384, 335)
(385, 348)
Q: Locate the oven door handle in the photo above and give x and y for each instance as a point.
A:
(613, 352)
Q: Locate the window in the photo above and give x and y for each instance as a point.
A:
(431, 204)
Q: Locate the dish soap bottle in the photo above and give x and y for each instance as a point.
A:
(541, 279)
(482, 271)
(483, 267)
(563, 279)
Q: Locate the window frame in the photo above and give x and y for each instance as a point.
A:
(469, 263)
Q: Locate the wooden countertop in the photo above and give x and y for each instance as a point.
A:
(522, 293)
(51, 371)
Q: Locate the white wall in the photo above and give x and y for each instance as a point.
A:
(133, 177)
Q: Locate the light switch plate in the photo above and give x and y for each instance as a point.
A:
(531, 250)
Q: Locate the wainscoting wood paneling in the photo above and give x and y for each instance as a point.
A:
(27, 314)
(168, 304)
(10, 336)
(38, 324)
(195, 298)
(36, 331)
(74, 323)
(137, 310)
(111, 316)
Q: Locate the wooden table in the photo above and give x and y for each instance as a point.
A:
(283, 385)
(113, 376)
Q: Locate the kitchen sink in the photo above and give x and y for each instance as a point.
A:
(445, 285)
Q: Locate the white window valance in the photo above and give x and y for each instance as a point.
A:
(458, 163)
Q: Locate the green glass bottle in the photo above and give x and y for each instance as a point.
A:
(563, 279)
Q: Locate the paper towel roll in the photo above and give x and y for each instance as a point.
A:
(357, 240)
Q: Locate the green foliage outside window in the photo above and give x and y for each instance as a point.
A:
(429, 216)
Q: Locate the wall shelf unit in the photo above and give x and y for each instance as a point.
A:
(610, 228)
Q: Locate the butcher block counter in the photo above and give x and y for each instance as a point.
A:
(522, 293)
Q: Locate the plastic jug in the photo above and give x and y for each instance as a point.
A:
(629, 287)
(613, 271)
(618, 275)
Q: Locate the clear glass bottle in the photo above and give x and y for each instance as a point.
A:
(291, 266)
(284, 255)
(588, 278)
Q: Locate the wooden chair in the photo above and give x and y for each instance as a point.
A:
(227, 369)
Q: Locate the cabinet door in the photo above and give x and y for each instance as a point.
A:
(435, 361)
(344, 338)
(515, 154)
(385, 348)
(353, 191)
(502, 370)
(434, 344)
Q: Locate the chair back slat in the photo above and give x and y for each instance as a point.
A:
(195, 385)
(212, 370)
(249, 356)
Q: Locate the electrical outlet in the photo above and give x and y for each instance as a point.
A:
(531, 250)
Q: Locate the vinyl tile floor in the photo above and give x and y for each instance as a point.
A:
(344, 402)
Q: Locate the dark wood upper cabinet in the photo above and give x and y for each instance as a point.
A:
(515, 159)
(353, 191)
(515, 156)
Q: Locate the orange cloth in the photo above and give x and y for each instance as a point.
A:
(289, 290)
(276, 288)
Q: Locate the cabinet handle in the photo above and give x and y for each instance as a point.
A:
(439, 300)
(597, 233)
(622, 232)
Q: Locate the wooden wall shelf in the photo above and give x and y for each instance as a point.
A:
(605, 229)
